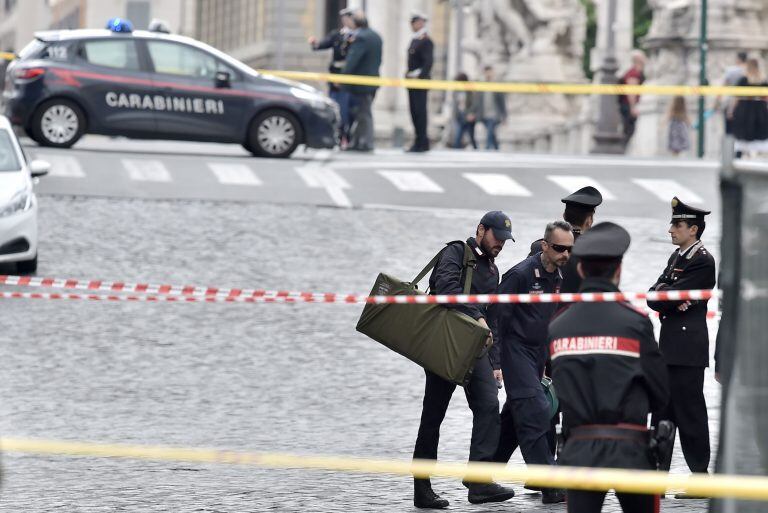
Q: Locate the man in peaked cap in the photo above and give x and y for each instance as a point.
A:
(609, 372)
(684, 339)
(421, 54)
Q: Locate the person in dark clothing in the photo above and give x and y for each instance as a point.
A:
(522, 334)
(628, 103)
(420, 58)
(338, 41)
(684, 338)
(491, 110)
(494, 230)
(363, 58)
(609, 372)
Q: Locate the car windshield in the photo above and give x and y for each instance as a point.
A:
(9, 160)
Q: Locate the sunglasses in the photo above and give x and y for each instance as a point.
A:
(559, 247)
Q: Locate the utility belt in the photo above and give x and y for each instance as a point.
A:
(659, 441)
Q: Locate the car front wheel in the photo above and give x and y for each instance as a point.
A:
(274, 133)
(58, 123)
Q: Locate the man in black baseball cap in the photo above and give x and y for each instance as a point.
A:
(609, 373)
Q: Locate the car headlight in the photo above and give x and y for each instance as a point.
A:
(21, 202)
(316, 100)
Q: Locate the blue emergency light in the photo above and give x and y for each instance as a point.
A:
(119, 25)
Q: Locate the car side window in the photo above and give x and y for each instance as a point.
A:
(177, 59)
(112, 53)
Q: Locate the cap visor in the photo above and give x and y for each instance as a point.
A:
(502, 234)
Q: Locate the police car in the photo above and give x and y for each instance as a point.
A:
(154, 85)
(18, 204)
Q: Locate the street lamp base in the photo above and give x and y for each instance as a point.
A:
(610, 144)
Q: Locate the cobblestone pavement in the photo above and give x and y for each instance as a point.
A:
(291, 378)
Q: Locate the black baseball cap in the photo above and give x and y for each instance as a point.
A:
(500, 223)
(585, 197)
(603, 240)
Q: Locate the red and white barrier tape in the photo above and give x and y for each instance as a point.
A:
(191, 293)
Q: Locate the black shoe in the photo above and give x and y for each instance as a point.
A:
(684, 495)
(424, 497)
(417, 149)
(480, 493)
(552, 495)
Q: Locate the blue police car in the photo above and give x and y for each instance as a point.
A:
(154, 85)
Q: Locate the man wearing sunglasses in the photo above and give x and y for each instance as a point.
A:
(522, 332)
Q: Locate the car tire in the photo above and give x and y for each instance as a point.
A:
(58, 123)
(274, 133)
(27, 266)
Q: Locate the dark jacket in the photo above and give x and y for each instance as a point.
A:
(448, 278)
(499, 103)
(607, 369)
(421, 56)
(339, 42)
(363, 58)
(521, 329)
(684, 338)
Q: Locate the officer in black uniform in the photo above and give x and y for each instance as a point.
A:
(684, 338)
(338, 41)
(420, 58)
(494, 230)
(609, 372)
(522, 334)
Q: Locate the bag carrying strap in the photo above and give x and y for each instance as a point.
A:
(469, 262)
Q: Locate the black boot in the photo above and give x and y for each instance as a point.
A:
(424, 497)
(552, 495)
(480, 493)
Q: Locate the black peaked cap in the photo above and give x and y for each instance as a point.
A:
(681, 211)
(603, 240)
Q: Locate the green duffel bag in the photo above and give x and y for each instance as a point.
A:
(442, 340)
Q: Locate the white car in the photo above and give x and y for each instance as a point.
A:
(18, 203)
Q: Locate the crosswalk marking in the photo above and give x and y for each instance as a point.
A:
(571, 183)
(665, 189)
(147, 170)
(497, 184)
(62, 165)
(234, 174)
(318, 176)
(411, 181)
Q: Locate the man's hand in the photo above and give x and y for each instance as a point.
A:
(471, 118)
(312, 40)
(685, 306)
(499, 376)
(717, 377)
(483, 323)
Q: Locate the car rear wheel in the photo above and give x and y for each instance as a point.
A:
(59, 123)
(274, 133)
(27, 266)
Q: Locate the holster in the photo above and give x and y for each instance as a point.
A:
(661, 444)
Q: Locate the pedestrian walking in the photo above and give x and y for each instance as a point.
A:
(338, 41)
(491, 110)
(494, 230)
(684, 339)
(750, 114)
(420, 58)
(522, 334)
(628, 103)
(679, 127)
(464, 116)
(609, 373)
(731, 78)
(363, 58)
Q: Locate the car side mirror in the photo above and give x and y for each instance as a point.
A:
(223, 79)
(38, 168)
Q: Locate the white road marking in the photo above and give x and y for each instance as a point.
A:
(665, 189)
(320, 177)
(234, 174)
(571, 183)
(497, 184)
(62, 165)
(146, 170)
(411, 181)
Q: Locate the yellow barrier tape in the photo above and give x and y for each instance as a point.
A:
(524, 88)
(7, 56)
(633, 481)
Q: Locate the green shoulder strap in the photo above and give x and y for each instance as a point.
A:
(469, 263)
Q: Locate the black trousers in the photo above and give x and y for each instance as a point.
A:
(688, 410)
(482, 396)
(525, 423)
(361, 132)
(629, 122)
(582, 501)
(417, 99)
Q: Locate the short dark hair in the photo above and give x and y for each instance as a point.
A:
(487, 67)
(742, 56)
(577, 215)
(359, 19)
(551, 227)
(701, 224)
(461, 76)
(599, 267)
